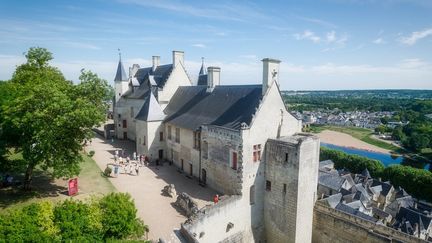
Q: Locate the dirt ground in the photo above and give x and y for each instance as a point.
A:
(345, 140)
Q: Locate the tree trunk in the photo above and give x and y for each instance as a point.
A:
(28, 176)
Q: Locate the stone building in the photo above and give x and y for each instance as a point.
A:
(232, 138)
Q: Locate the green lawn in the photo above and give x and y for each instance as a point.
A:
(359, 133)
(90, 182)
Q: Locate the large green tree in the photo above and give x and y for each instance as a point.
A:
(49, 118)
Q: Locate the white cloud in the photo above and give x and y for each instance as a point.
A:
(331, 36)
(318, 21)
(379, 41)
(415, 36)
(331, 39)
(412, 73)
(199, 45)
(307, 35)
(80, 45)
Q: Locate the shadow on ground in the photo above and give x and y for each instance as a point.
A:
(43, 186)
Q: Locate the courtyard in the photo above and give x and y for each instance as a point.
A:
(156, 209)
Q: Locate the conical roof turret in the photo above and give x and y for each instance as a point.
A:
(120, 74)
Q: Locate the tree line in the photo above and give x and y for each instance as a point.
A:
(417, 182)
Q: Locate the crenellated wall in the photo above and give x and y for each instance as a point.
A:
(331, 225)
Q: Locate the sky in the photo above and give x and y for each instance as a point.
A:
(323, 45)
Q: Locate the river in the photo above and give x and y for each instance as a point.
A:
(386, 159)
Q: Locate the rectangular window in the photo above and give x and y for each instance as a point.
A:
(286, 157)
(284, 189)
(252, 195)
(144, 140)
(124, 124)
(234, 160)
(161, 136)
(197, 140)
(205, 150)
(169, 132)
(257, 152)
(268, 185)
(177, 135)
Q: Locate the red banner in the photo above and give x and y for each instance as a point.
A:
(73, 186)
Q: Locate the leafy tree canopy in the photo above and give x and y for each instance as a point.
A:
(48, 118)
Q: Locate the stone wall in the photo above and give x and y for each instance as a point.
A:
(291, 174)
(150, 132)
(223, 222)
(216, 162)
(331, 225)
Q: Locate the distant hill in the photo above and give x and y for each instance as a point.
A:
(364, 94)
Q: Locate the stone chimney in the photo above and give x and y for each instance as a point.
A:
(156, 62)
(178, 57)
(213, 78)
(270, 73)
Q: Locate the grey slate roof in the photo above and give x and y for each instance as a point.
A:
(333, 200)
(202, 79)
(120, 74)
(347, 209)
(160, 75)
(226, 106)
(331, 181)
(151, 110)
(406, 215)
(366, 173)
(326, 163)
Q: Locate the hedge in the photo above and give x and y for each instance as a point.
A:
(353, 163)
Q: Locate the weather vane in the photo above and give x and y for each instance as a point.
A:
(119, 53)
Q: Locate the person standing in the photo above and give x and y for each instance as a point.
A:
(216, 199)
(116, 170)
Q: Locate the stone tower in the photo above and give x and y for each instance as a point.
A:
(121, 81)
(291, 176)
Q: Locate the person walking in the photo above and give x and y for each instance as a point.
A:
(137, 169)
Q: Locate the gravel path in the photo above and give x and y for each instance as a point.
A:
(155, 209)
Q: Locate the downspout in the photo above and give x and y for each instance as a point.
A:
(199, 150)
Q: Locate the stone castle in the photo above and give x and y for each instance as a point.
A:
(239, 140)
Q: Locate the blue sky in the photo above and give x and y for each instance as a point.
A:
(328, 44)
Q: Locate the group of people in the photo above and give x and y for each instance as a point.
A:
(128, 165)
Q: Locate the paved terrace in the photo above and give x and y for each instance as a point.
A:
(155, 209)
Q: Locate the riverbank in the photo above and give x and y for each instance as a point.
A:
(346, 140)
(362, 134)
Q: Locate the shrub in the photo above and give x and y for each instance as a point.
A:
(107, 171)
(33, 223)
(91, 153)
(353, 163)
(119, 217)
(78, 222)
(417, 182)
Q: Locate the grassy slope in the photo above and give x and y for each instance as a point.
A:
(359, 133)
(90, 182)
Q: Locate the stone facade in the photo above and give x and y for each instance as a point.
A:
(331, 225)
(291, 169)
